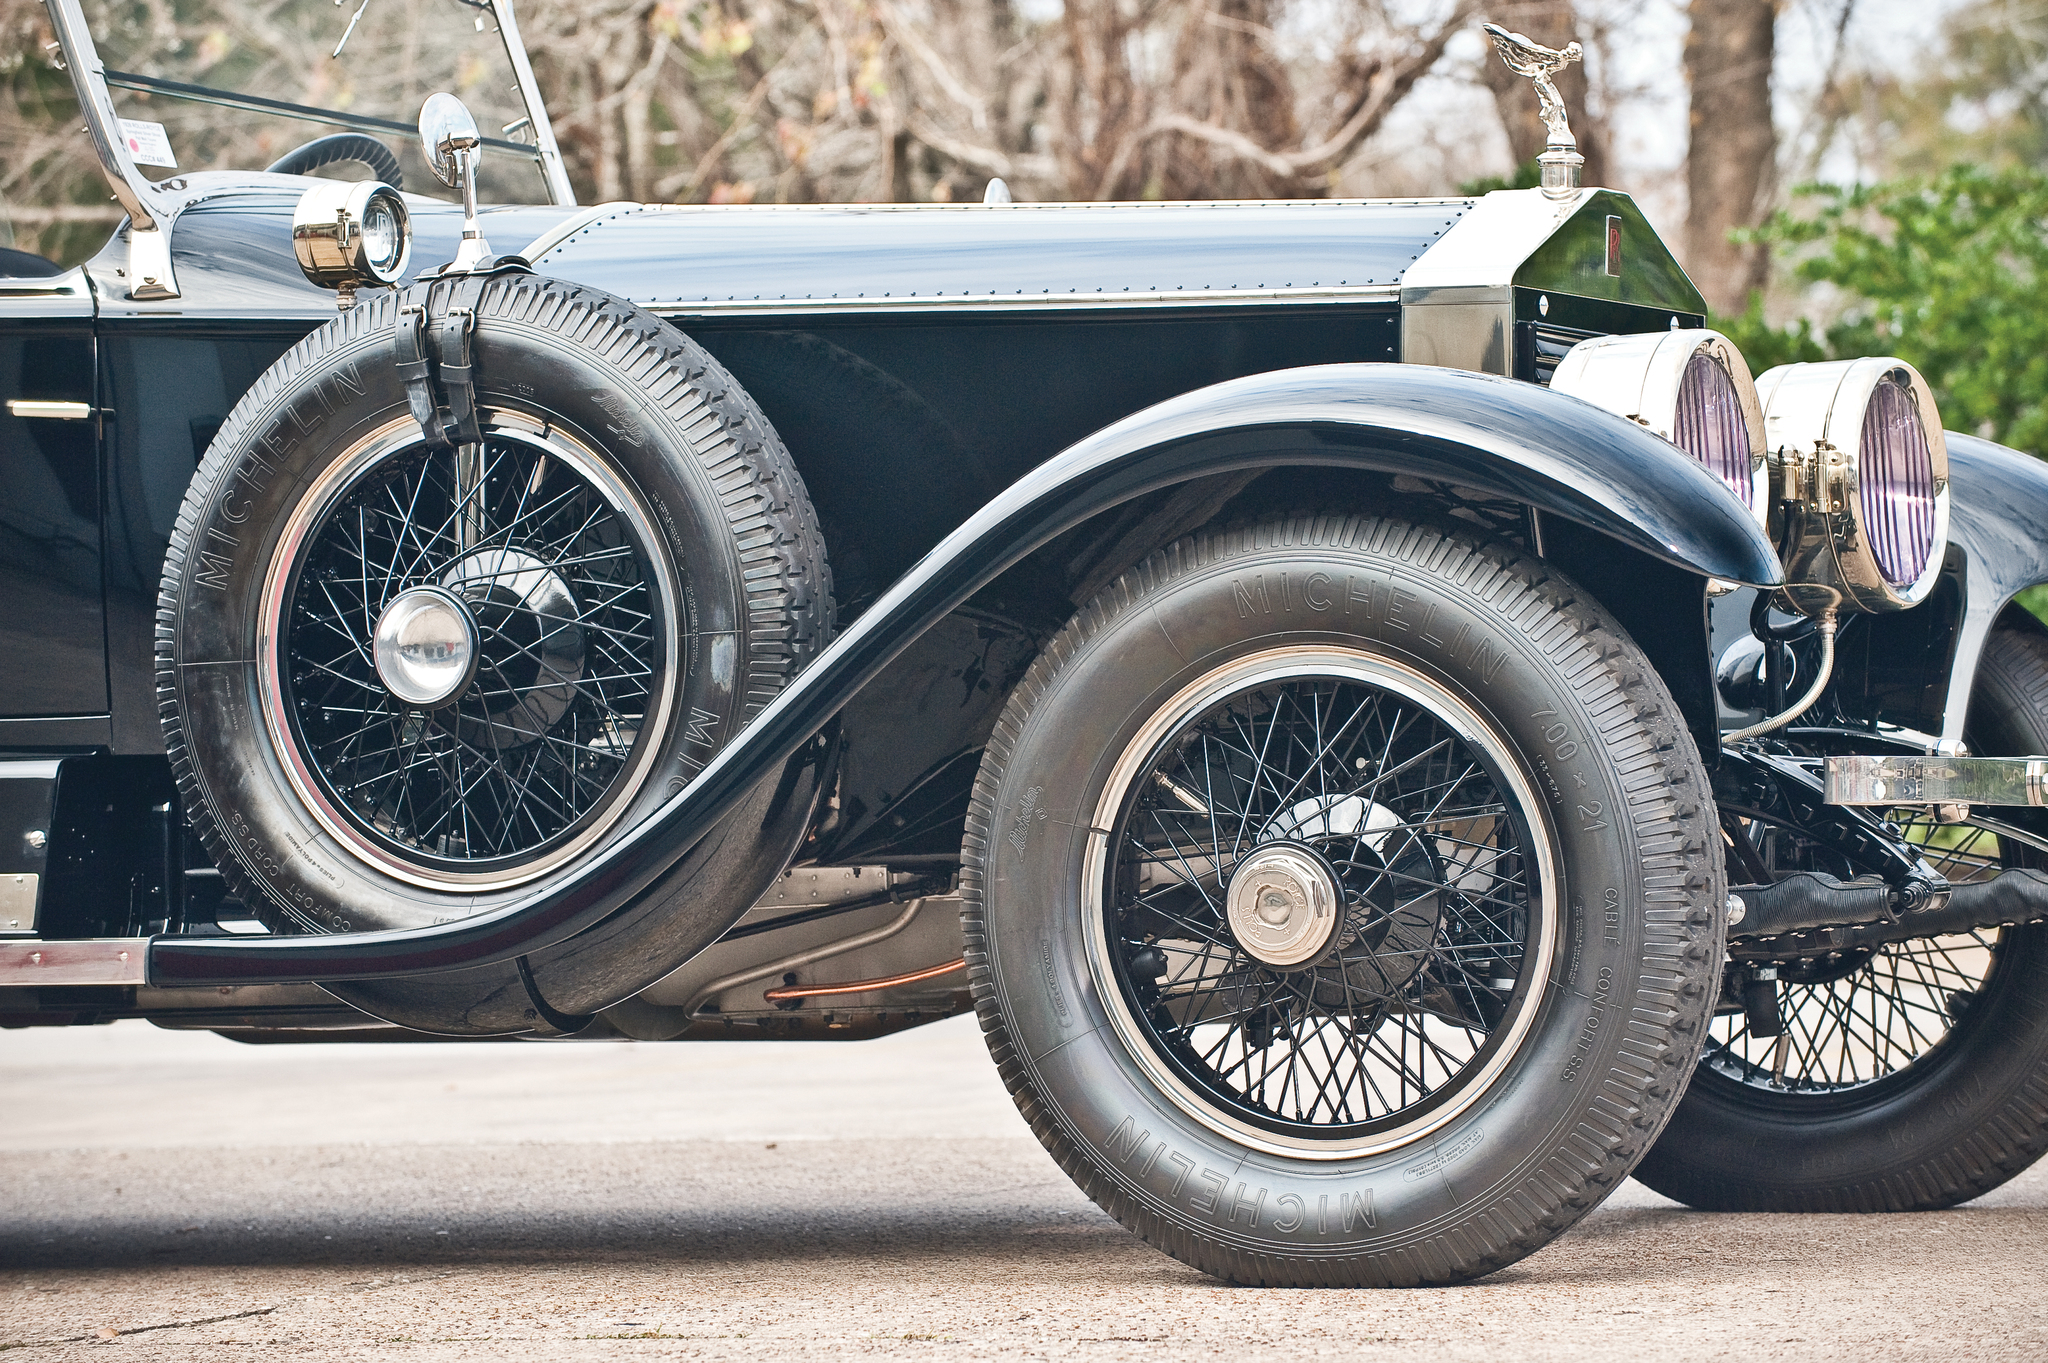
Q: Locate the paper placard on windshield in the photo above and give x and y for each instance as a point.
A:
(148, 143)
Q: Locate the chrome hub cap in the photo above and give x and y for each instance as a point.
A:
(1282, 904)
(425, 647)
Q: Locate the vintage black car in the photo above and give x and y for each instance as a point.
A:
(1388, 726)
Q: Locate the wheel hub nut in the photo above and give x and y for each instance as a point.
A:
(1282, 904)
(425, 647)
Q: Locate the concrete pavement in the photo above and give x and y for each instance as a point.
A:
(189, 1198)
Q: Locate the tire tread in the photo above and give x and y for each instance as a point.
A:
(1651, 747)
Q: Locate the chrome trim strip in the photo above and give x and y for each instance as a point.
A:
(89, 961)
(1090, 206)
(73, 283)
(1880, 781)
(988, 302)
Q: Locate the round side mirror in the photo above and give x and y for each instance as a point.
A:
(447, 129)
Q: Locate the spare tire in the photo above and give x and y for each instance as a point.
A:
(401, 684)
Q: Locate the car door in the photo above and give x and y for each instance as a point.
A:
(52, 621)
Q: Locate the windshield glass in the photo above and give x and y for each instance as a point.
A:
(253, 56)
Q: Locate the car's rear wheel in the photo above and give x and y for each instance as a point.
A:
(1908, 1077)
(1339, 904)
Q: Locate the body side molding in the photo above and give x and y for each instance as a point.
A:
(1494, 435)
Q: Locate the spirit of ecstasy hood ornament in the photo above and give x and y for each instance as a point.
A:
(1560, 161)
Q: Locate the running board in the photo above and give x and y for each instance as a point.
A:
(1937, 781)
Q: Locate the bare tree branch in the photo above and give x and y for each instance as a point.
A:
(708, 162)
(914, 43)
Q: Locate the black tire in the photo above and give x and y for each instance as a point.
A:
(1926, 1115)
(637, 450)
(1527, 1136)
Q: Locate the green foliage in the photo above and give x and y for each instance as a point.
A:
(1528, 175)
(1947, 274)
(2035, 599)
(1766, 346)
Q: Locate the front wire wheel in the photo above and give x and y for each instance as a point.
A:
(1341, 904)
(1429, 908)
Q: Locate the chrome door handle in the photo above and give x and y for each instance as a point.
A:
(35, 408)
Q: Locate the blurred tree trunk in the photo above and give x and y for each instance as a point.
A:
(1552, 23)
(1731, 162)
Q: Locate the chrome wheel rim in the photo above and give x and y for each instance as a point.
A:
(553, 560)
(1857, 1018)
(1436, 845)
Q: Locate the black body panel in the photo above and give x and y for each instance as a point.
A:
(1495, 435)
(1012, 392)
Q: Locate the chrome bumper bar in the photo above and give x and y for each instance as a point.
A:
(1937, 781)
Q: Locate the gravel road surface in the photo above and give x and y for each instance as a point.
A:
(176, 1197)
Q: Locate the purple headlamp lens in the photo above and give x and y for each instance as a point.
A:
(1895, 484)
(1709, 425)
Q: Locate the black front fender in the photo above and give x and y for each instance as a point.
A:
(1495, 435)
(1998, 515)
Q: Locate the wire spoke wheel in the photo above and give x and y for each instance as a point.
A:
(1339, 903)
(1321, 904)
(1856, 1017)
(555, 636)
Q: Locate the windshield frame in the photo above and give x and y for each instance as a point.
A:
(150, 210)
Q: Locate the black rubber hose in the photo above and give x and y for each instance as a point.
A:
(1810, 899)
(339, 147)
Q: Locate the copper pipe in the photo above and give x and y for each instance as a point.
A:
(796, 991)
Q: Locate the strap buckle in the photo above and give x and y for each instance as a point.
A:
(430, 340)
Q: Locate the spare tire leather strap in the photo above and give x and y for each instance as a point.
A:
(408, 343)
(445, 310)
(458, 378)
